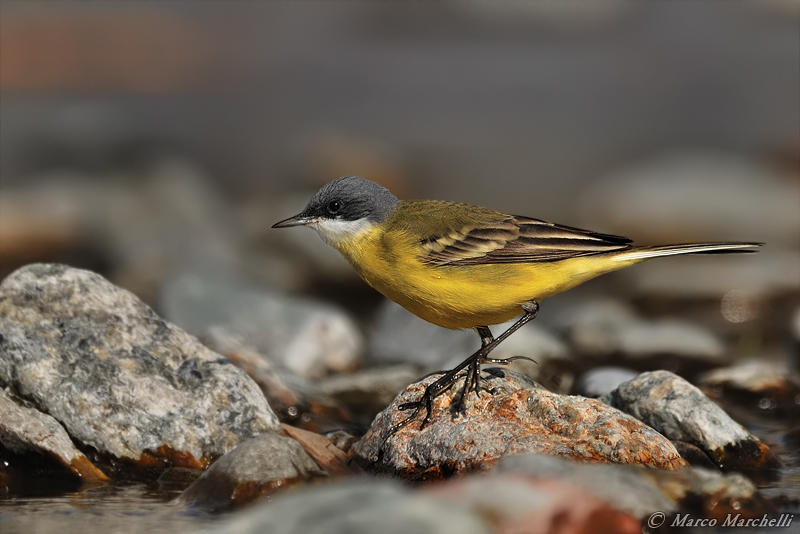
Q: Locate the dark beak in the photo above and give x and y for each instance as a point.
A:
(297, 220)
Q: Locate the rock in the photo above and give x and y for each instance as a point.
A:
(400, 336)
(517, 416)
(327, 455)
(517, 504)
(602, 380)
(769, 384)
(251, 470)
(310, 338)
(681, 412)
(360, 506)
(26, 429)
(639, 491)
(118, 377)
(367, 392)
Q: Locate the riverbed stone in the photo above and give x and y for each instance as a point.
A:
(117, 376)
(680, 411)
(253, 469)
(512, 415)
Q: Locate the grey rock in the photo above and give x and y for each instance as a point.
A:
(680, 411)
(512, 415)
(355, 507)
(310, 338)
(251, 470)
(400, 336)
(26, 429)
(117, 376)
(602, 380)
(640, 491)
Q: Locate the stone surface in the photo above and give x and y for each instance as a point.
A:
(680, 411)
(641, 491)
(602, 380)
(360, 506)
(327, 455)
(771, 384)
(308, 337)
(118, 377)
(251, 470)
(26, 429)
(517, 504)
(517, 416)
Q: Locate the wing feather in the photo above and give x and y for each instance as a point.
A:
(513, 239)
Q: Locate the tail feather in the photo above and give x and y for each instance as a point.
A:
(641, 253)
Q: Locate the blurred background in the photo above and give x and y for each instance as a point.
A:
(145, 139)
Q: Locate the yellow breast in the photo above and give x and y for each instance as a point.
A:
(457, 296)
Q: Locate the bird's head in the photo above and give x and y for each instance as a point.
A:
(344, 208)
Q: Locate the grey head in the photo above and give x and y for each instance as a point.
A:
(345, 206)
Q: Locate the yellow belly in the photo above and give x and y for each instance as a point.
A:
(464, 296)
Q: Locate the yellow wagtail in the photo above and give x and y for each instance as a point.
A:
(462, 266)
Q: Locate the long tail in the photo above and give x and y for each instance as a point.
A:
(642, 253)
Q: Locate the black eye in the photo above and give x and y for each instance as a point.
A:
(334, 206)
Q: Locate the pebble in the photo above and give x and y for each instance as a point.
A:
(253, 469)
(310, 338)
(26, 429)
(118, 377)
(680, 411)
(513, 416)
(357, 506)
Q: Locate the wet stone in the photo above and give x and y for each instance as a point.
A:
(680, 411)
(251, 470)
(310, 338)
(360, 506)
(517, 416)
(26, 429)
(118, 377)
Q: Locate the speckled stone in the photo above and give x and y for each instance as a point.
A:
(517, 416)
(680, 411)
(118, 377)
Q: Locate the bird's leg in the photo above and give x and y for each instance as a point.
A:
(442, 384)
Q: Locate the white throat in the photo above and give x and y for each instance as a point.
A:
(335, 231)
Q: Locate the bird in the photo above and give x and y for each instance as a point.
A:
(461, 266)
